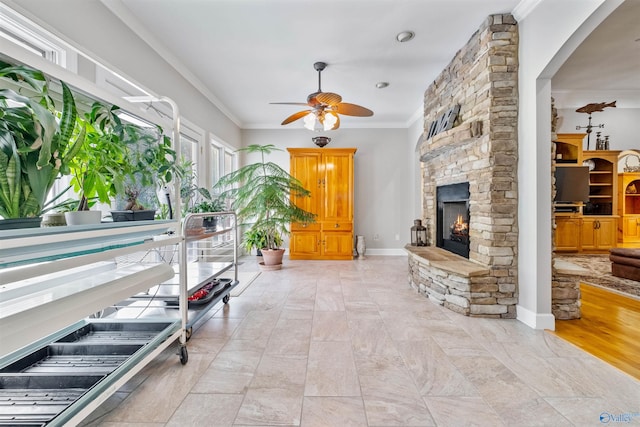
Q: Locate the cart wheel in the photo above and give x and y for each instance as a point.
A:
(188, 333)
(225, 299)
(184, 355)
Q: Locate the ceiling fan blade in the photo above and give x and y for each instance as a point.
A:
(296, 116)
(329, 98)
(353, 110)
(289, 103)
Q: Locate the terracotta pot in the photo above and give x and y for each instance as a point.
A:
(272, 256)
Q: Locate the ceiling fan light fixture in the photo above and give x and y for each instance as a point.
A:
(329, 121)
(405, 36)
(310, 121)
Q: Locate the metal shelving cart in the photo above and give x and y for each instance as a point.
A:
(71, 333)
(206, 253)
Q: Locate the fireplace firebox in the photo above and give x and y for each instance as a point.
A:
(452, 221)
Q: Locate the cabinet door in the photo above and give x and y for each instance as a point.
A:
(631, 228)
(304, 244)
(606, 233)
(306, 168)
(567, 234)
(338, 189)
(337, 245)
(598, 233)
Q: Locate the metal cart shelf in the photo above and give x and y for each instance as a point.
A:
(55, 369)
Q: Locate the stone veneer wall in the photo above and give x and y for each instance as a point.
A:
(482, 148)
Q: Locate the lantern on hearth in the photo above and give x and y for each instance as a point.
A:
(418, 234)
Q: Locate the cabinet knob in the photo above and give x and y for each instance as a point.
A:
(304, 225)
(337, 225)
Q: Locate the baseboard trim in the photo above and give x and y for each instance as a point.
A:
(535, 320)
(381, 252)
(386, 252)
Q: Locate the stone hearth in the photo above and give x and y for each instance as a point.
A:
(481, 149)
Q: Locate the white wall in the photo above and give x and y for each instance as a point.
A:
(95, 31)
(383, 195)
(548, 34)
(619, 123)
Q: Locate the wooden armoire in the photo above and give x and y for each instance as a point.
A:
(328, 174)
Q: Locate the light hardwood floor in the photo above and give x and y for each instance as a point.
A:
(609, 328)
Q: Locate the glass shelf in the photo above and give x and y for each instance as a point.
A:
(28, 246)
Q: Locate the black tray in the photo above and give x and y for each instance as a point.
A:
(216, 291)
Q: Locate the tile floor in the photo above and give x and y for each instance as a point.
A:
(323, 343)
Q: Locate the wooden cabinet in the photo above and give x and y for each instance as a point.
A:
(568, 229)
(595, 226)
(577, 233)
(629, 207)
(598, 233)
(569, 147)
(328, 174)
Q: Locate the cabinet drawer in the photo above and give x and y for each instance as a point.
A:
(337, 226)
(297, 226)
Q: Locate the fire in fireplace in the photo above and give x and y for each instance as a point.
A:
(452, 220)
(460, 230)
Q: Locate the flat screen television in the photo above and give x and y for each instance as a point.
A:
(572, 184)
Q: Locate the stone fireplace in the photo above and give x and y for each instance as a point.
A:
(469, 178)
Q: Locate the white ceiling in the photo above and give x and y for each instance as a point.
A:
(244, 54)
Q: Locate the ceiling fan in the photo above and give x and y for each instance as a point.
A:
(325, 107)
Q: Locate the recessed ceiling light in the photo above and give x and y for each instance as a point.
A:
(382, 85)
(405, 36)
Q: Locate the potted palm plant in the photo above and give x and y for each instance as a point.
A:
(37, 143)
(261, 194)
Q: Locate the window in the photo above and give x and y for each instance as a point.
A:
(18, 30)
(214, 161)
(223, 160)
(228, 161)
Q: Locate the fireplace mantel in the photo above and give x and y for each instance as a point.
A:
(449, 140)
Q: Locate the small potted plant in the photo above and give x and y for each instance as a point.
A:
(99, 169)
(257, 239)
(151, 166)
(133, 209)
(208, 205)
